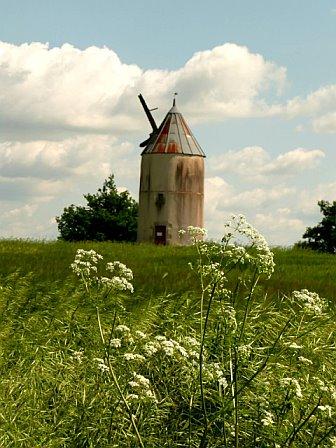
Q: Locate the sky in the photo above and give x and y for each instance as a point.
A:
(255, 81)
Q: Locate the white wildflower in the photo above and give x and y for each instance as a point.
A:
(320, 384)
(117, 283)
(293, 384)
(196, 231)
(84, 265)
(132, 397)
(169, 344)
(150, 348)
(123, 329)
(116, 343)
(78, 356)
(223, 382)
(160, 338)
(191, 341)
(101, 365)
(142, 380)
(150, 394)
(327, 409)
(120, 270)
(310, 301)
(332, 440)
(142, 386)
(134, 357)
(168, 350)
(268, 418)
(305, 360)
(245, 350)
(140, 334)
(263, 260)
(106, 281)
(182, 351)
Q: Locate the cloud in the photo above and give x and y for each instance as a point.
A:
(77, 156)
(326, 123)
(222, 199)
(30, 220)
(38, 179)
(222, 196)
(44, 90)
(264, 208)
(320, 106)
(21, 212)
(322, 99)
(309, 197)
(254, 162)
(280, 226)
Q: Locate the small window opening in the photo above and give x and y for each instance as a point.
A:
(160, 200)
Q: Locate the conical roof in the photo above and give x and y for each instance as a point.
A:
(173, 137)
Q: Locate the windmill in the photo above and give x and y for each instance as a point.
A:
(171, 195)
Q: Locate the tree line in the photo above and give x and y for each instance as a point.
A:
(110, 215)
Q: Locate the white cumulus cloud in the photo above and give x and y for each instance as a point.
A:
(254, 162)
(319, 105)
(43, 89)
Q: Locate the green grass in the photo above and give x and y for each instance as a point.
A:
(49, 398)
(159, 269)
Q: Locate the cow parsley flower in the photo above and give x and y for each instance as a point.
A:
(85, 264)
(332, 440)
(305, 360)
(116, 343)
(310, 301)
(78, 355)
(120, 270)
(101, 365)
(134, 357)
(223, 382)
(132, 397)
(140, 334)
(142, 387)
(268, 418)
(263, 257)
(191, 341)
(151, 348)
(293, 384)
(327, 409)
(123, 329)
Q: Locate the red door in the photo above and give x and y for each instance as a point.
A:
(160, 235)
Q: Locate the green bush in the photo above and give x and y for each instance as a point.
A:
(108, 216)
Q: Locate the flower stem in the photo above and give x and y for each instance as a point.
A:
(115, 380)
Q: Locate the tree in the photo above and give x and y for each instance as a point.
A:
(108, 215)
(323, 236)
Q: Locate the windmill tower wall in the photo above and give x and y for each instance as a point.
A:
(171, 194)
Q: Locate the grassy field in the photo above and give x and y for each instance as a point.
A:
(159, 269)
(86, 366)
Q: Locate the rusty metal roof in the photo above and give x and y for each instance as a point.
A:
(173, 137)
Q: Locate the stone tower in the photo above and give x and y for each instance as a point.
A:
(171, 195)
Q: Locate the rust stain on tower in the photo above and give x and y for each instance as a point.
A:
(171, 195)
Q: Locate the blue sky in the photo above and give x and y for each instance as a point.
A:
(229, 111)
